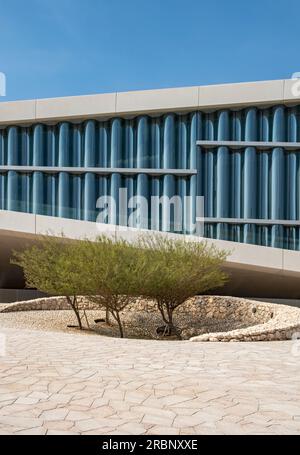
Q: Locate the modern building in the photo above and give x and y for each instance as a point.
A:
(237, 145)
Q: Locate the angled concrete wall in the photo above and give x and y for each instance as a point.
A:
(255, 271)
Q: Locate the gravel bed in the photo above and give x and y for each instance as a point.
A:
(138, 324)
(202, 318)
(55, 321)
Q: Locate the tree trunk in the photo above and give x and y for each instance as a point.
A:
(172, 327)
(107, 320)
(116, 315)
(73, 304)
(167, 317)
(86, 318)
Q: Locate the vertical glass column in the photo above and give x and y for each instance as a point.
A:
(222, 182)
(51, 146)
(2, 190)
(291, 205)
(89, 202)
(116, 161)
(25, 178)
(195, 181)
(264, 180)
(182, 182)
(169, 154)
(63, 177)
(2, 174)
(236, 180)
(129, 152)
(12, 176)
(38, 177)
(103, 194)
(297, 111)
(209, 178)
(250, 176)
(103, 160)
(155, 181)
(76, 179)
(183, 132)
(142, 161)
(277, 178)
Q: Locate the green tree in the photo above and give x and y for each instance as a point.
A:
(175, 270)
(113, 275)
(56, 267)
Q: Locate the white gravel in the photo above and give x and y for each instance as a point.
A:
(56, 321)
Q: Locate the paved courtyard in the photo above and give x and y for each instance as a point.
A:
(58, 383)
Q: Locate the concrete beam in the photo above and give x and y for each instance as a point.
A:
(107, 105)
(261, 145)
(241, 254)
(99, 170)
(255, 270)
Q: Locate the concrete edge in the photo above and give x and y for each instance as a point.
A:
(107, 105)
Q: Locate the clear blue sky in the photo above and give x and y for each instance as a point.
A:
(71, 47)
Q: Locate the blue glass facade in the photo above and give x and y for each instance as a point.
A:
(245, 184)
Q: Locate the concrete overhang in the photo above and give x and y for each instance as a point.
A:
(255, 271)
(151, 102)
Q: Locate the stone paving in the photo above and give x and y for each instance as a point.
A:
(58, 383)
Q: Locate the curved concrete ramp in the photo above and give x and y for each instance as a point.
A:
(256, 271)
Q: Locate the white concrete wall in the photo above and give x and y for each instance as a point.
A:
(148, 101)
(242, 255)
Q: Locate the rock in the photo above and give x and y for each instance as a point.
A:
(213, 339)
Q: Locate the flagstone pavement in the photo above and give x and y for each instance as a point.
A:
(58, 383)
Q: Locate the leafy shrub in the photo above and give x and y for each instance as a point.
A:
(113, 275)
(175, 270)
(54, 266)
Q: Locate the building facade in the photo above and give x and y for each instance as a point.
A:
(237, 146)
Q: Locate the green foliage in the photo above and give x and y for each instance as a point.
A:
(55, 266)
(176, 270)
(113, 275)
